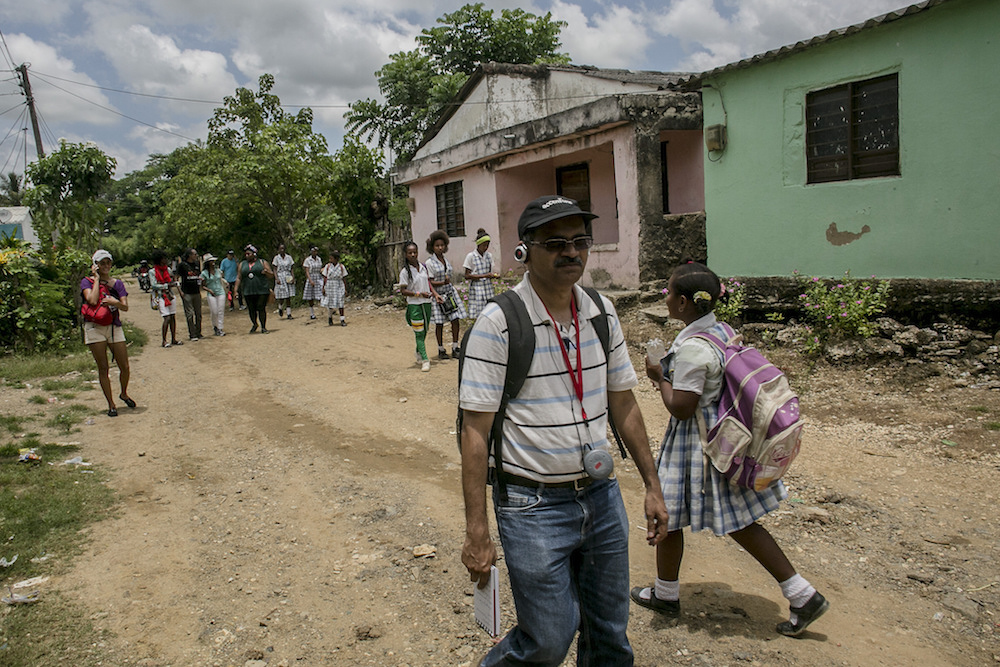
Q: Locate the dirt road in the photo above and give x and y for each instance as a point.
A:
(273, 489)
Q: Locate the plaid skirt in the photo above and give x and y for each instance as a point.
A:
(698, 495)
(480, 292)
(334, 297)
(437, 314)
(314, 291)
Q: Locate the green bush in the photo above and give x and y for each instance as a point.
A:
(730, 308)
(841, 310)
(37, 297)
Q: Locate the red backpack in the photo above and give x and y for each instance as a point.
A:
(98, 314)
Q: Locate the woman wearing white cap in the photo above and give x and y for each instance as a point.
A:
(103, 299)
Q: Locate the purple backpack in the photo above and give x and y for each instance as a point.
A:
(759, 431)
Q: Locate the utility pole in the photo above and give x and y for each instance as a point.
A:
(26, 86)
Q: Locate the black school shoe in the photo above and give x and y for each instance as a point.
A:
(670, 608)
(805, 615)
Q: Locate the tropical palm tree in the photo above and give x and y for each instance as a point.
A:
(10, 189)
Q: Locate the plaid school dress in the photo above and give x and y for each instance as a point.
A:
(480, 291)
(282, 270)
(334, 297)
(439, 271)
(695, 493)
(314, 267)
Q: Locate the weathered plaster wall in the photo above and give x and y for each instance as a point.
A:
(939, 219)
(479, 201)
(509, 99)
(685, 170)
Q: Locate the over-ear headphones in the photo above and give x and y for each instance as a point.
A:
(521, 252)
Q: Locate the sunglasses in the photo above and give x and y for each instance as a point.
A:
(581, 243)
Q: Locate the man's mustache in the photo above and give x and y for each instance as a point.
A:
(566, 261)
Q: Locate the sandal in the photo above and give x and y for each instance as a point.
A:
(165, 344)
(177, 342)
(113, 412)
(665, 607)
(128, 401)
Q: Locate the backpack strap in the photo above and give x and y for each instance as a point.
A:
(602, 328)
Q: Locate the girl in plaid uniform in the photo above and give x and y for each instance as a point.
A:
(312, 292)
(689, 380)
(334, 288)
(284, 281)
(439, 269)
(479, 272)
(415, 285)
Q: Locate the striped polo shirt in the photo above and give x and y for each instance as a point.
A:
(544, 434)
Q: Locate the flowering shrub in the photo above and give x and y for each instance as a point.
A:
(843, 309)
(37, 297)
(730, 307)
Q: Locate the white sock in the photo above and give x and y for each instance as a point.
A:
(668, 590)
(341, 318)
(797, 591)
(312, 311)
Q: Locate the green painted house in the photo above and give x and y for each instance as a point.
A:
(868, 149)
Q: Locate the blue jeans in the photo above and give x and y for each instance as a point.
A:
(567, 558)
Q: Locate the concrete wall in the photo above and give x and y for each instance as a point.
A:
(509, 99)
(496, 192)
(685, 170)
(939, 219)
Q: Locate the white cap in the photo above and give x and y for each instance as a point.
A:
(101, 254)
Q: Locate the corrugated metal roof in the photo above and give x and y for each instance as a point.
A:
(833, 35)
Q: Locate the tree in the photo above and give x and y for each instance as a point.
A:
(64, 201)
(10, 189)
(418, 85)
(135, 204)
(260, 175)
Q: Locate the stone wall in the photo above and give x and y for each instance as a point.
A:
(667, 239)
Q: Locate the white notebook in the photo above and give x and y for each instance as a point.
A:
(487, 604)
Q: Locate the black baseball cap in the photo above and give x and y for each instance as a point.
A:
(548, 208)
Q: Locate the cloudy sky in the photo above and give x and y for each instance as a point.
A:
(143, 76)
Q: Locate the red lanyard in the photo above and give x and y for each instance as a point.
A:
(577, 377)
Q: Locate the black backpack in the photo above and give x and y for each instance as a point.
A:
(520, 351)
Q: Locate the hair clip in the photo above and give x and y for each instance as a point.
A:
(701, 295)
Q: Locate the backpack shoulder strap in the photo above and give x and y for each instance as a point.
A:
(601, 326)
(521, 340)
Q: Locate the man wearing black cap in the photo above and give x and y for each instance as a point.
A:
(558, 508)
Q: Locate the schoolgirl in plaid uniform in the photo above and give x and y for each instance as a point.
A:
(689, 379)
(479, 272)
(283, 289)
(440, 272)
(312, 291)
(334, 288)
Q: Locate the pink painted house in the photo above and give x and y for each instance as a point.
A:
(625, 144)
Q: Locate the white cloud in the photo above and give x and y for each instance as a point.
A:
(55, 105)
(615, 37)
(154, 64)
(712, 37)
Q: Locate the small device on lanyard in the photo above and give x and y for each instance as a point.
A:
(598, 463)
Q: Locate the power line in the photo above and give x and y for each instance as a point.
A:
(118, 113)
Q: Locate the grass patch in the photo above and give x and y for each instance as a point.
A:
(38, 399)
(68, 417)
(62, 384)
(981, 409)
(43, 510)
(992, 426)
(16, 370)
(13, 423)
(55, 631)
(136, 337)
